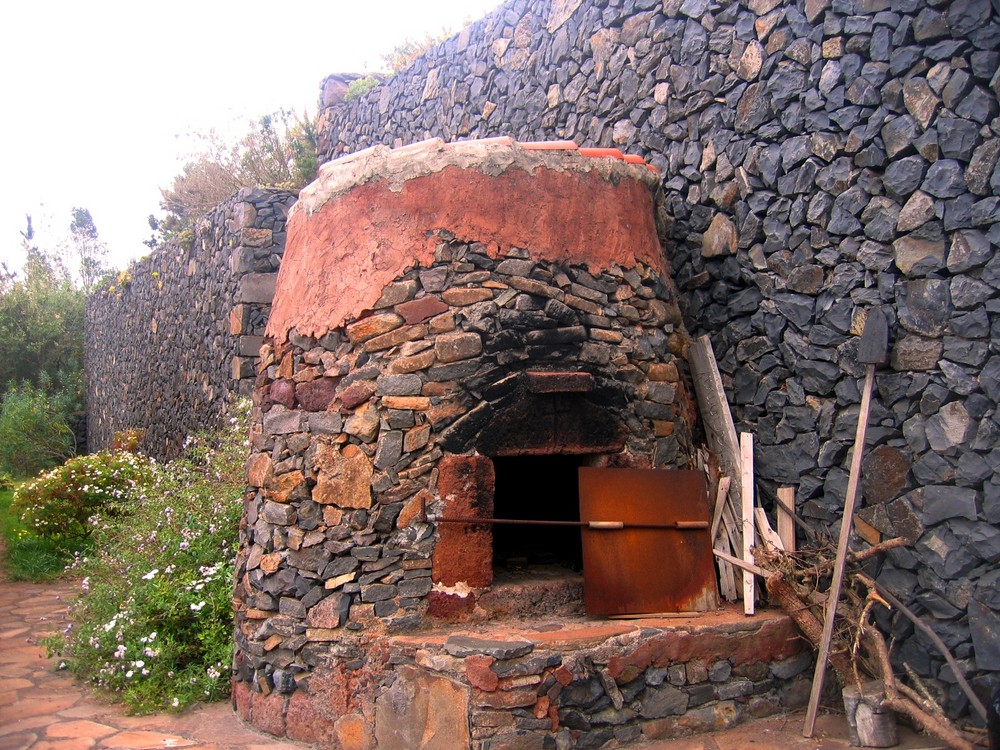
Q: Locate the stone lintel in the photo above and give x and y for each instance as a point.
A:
(559, 382)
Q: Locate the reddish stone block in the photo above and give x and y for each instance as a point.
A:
(354, 732)
(374, 325)
(883, 474)
(267, 713)
(559, 382)
(356, 394)
(564, 676)
(479, 674)
(259, 469)
(773, 639)
(464, 553)
(461, 297)
(317, 394)
(453, 347)
(282, 392)
(313, 713)
(451, 607)
(240, 696)
(542, 707)
(420, 310)
(286, 488)
(505, 698)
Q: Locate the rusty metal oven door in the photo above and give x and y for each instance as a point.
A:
(647, 565)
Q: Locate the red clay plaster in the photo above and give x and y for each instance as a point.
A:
(339, 259)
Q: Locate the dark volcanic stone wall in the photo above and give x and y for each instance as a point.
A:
(820, 158)
(179, 333)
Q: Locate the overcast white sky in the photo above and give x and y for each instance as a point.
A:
(99, 95)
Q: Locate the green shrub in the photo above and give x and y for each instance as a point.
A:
(27, 557)
(67, 503)
(154, 625)
(6, 481)
(34, 429)
(360, 86)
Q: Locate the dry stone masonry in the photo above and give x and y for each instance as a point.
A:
(818, 158)
(176, 336)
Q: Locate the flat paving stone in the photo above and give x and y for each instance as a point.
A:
(145, 741)
(89, 729)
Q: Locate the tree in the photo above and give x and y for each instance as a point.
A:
(41, 361)
(89, 248)
(278, 151)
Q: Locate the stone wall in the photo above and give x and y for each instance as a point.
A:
(820, 158)
(178, 334)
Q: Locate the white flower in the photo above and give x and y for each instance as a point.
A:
(175, 703)
(151, 574)
(197, 607)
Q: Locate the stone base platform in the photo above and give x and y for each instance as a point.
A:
(558, 683)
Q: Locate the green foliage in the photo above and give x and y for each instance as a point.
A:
(279, 150)
(27, 557)
(69, 502)
(6, 481)
(41, 323)
(35, 431)
(360, 86)
(154, 626)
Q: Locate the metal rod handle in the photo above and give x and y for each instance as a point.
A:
(597, 525)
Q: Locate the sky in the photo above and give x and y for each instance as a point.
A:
(102, 99)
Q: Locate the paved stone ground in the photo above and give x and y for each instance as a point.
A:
(43, 709)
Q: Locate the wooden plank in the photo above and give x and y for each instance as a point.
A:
(727, 576)
(769, 535)
(724, 444)
(720, 431)
(746, 493)
(786, 517)
(720, 500)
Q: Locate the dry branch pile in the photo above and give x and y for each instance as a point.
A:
(798, 583)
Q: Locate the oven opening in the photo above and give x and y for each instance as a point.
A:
(537, 488)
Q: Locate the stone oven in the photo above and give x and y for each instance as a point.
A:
(481, 330)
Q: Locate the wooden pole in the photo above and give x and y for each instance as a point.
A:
(833, 595)
(746, 495)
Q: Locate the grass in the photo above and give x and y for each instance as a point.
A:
(27, 557)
